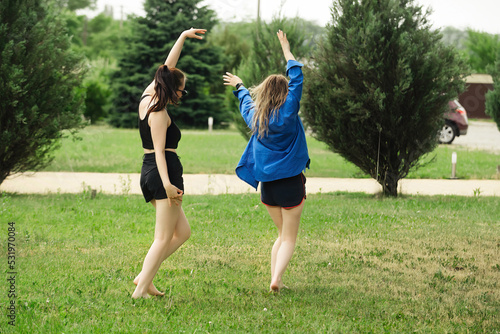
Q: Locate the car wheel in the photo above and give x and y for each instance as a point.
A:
(447, 134)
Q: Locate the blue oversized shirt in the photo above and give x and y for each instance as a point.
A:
(283, 151)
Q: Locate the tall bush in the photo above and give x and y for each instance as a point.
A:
(39, 76)
(379, 85)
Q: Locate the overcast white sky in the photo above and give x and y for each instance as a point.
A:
(482, 15)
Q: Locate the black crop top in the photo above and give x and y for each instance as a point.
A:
(173, 133)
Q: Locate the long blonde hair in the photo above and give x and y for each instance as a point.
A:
(268, 97)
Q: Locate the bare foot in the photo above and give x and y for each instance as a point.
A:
(152, 290)
(137, 295)
(276, 287)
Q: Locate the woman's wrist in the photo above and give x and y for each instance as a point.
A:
(238, 85)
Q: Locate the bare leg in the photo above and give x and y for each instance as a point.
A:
(166, 221)
(152, 290)
(275, 213)
(288, 237)
(181, 234)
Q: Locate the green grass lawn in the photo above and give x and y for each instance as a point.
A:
(362, 265)
(104, 149)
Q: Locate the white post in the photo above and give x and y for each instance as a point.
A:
(210, 124)
(453, 165)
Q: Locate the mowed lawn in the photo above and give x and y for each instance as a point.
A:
(362, 265)
(108, 150)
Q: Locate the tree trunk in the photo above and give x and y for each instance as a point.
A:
(390, 184)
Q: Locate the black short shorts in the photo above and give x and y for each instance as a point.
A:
(286, 193)
(151, 184)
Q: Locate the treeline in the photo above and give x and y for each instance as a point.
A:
(121, 57)
(123, 54)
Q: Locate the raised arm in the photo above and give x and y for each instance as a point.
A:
(246, 102)
(285, 45)
(174, 54)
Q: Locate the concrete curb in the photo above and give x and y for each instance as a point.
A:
(216, 184)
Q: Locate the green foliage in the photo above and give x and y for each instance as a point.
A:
(98, 91)
(266, 56)
(483, 49)
(73, 5)
(38, 80)
(455, 37)
(234, 39)
(106, 37)
(101, 39)
(379, 85)
(74, 25)
(493, 97)
(152, 38)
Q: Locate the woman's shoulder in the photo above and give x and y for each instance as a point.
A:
(159, 117)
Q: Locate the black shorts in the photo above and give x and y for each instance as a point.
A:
(151, 183)
(286, 193)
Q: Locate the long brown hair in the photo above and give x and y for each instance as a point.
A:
(268, 97)
(167, 83)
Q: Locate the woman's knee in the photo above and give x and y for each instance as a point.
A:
(183, 230)
(162, 241)
(289, 240)
(186, 232)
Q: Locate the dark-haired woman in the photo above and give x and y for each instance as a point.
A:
(161, 173)
(276, 154)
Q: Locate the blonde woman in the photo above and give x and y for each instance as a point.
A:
(276, 154)
(161, 173)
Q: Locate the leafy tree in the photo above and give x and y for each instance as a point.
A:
(38, 79)
(101, 40)
(483, 49)
(73, 5)
(234, 39)
(454, 37)
(106, 37)
(266, 58)
(98, 90)
(153, 37)
(379, 85)
(493, 97)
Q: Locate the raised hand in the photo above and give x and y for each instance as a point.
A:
(174, 54)
(231, 79)
(192, 33)
(285, 45)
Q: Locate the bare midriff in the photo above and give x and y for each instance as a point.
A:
(147, 151)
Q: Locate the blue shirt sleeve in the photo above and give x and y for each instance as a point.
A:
(246, 105)
(294, 71)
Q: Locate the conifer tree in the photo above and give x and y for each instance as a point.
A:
(38, 79)
(152, 40)
(379, 86)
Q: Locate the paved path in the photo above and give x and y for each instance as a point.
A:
(197, 184)
(481, 135)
